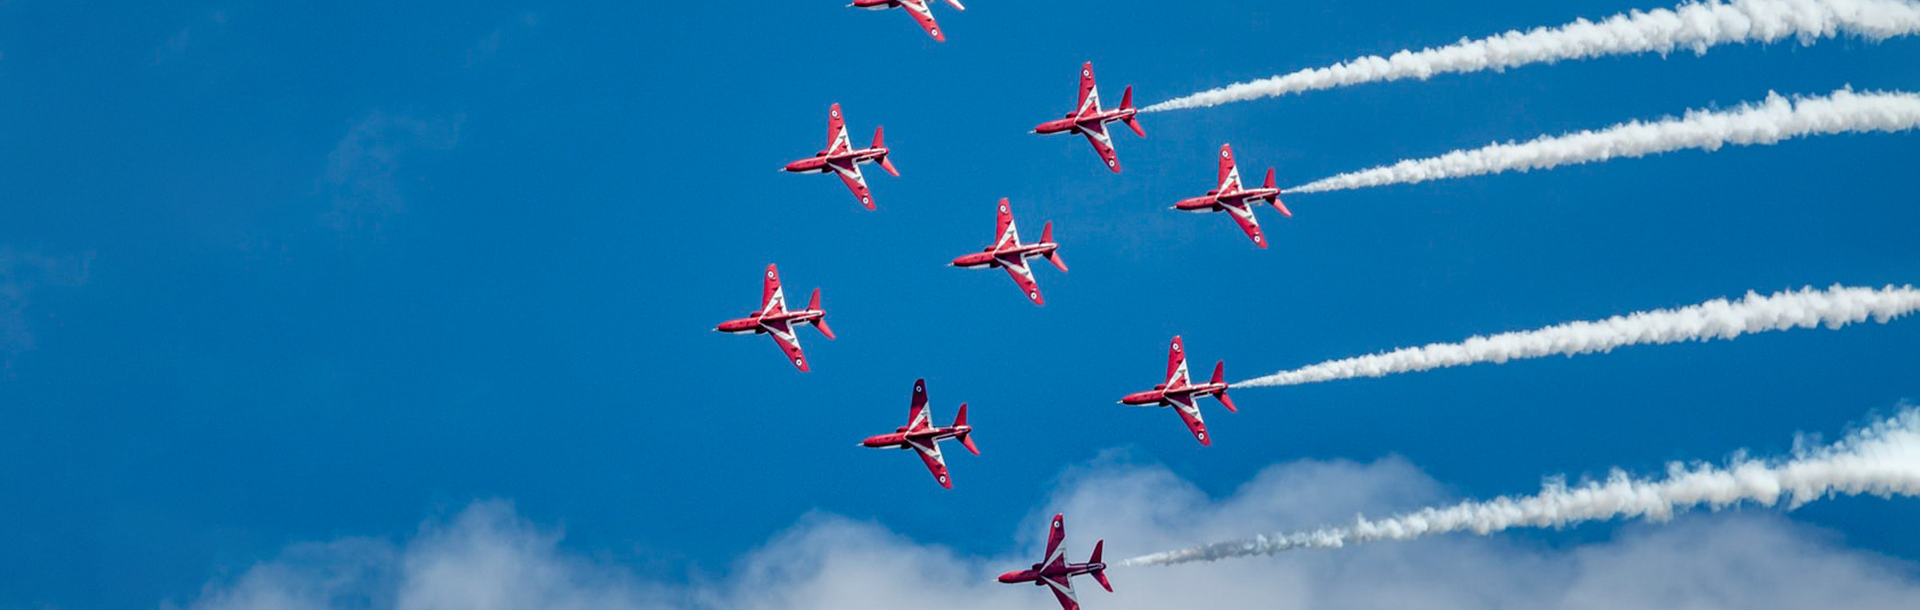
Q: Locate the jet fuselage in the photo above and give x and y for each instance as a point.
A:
(1060, 572)
(1076, 123)
(1158, 395)
(1213, 200)
(756, 322)
(901, 438)
(818, 162)
(991, 257)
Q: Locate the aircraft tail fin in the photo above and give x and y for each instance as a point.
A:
(820, 322)
(966, 438)
(1275, 199)
(1220, 376)
(880, 141)
(1100, 574)
(1126, 103)
(1053, 256)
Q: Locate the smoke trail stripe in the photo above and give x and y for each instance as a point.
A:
(1882, 459)
(1768, 122)
(1716, 319)
(1692, 25)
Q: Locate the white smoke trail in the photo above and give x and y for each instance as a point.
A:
(1883, 460)
(1693, 25)
(1716, 319)
(1768, 122)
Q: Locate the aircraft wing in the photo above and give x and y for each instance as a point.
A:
(772, 298)
(1229, 173)
(1004, 233)
(1088, 92)
(1190, 413)
(1057, 533)
(1243, 213)
(789, 341)
(1176, 365)
(918, 418)
(837, 140)
(1103, 144)
(930, 453)
(1022, 274)
(924, 15)
(850, 174)
(1063, 590)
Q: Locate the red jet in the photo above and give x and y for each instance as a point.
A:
(774, 319)
(1237, 200)
(921, 435)
(1008, 252)
(918, 8)
(1057, 573)
(842, 158)
(1183, 395)
(1089, 120)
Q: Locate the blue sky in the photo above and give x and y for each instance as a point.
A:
(279, 275)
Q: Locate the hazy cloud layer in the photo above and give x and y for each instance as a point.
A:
(20, 274)
(361, 170)
(487, 557)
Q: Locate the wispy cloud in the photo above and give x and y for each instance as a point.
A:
(20, 274)
(487, 557)
(176, 45)
(360, 170)
(489, 45)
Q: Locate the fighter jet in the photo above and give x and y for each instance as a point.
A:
(1057, 573)
(1009, 253)
(843, 159)
(1178, 392)
(774, 319)
(922, 436)
(918, 8)
(1236, 200)
(1089, 120)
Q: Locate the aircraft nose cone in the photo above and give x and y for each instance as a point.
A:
(1010, 577)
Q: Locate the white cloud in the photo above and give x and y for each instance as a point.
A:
(487, 557)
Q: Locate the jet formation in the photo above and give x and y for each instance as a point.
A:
(920, 435)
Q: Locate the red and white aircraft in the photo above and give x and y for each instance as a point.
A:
(1237, 200)
(1182, 394)
(774, 319)
(1007, 252)
(921, 435)
(918, 8)
(1089, 120)
(842, 158)
(1057, 573)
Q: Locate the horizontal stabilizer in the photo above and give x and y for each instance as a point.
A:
(1100, 574)
(1275, 199)
(965, 438)
(1053, 256)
